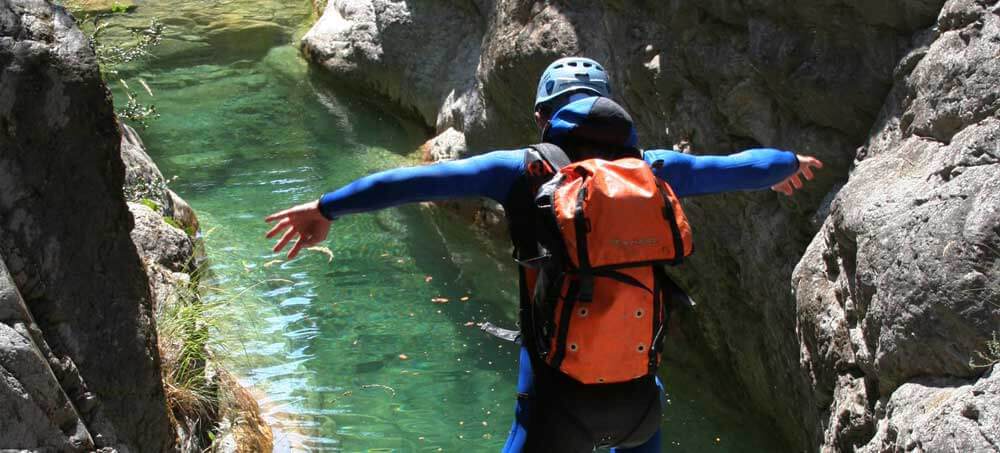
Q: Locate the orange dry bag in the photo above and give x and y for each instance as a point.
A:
(604, 228)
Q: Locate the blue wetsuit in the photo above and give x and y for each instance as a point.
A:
(566, 412)
(494, 174)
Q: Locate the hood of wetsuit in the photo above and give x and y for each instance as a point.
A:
(593, 120)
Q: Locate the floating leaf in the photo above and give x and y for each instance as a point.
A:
(272, 263)
(324, 250)
(428, 279)
(464, 299)
(403, 357)
(440, 300)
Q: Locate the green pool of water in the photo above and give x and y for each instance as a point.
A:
(347, 353)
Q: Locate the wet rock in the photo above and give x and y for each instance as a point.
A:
(64, 233)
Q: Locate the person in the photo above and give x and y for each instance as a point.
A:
(573, 109)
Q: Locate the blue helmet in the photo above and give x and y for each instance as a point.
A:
(572, 75)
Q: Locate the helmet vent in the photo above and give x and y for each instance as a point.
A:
(572, 63)
(549, 86)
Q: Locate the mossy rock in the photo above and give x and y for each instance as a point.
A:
(90, 7)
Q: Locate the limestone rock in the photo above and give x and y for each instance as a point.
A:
(448, 145)
(168, 253)
(900, 285)
(35, 411)
(392, 47)
(158, 242)
(183, 213)
(942, 414)
(64, 230)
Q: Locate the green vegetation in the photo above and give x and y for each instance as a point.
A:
(989, 357)
(183, 326)
(148, 203)
(113, 52)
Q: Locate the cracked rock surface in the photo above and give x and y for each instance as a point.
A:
(902, 284)
(80, 367)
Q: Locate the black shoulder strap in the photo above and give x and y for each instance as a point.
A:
(552, 154)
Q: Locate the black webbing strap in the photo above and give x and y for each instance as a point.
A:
(552, 154)
(675, 231)
(620, 277)
(580, 224)
(659, 318)
(564, 319)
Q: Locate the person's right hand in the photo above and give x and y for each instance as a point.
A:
(304, 220)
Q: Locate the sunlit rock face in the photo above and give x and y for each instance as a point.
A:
(901, 286)
(81, 369)
(898, 99)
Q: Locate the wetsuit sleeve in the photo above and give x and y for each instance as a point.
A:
(698, 175)
(489, 175)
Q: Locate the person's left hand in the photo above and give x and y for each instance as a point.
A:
(806, 163)
(304, 220)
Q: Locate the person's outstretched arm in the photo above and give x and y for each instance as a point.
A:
(752, 169)
(489, 175)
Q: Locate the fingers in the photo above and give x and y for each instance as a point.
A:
(302, 242)
(807, 172)
(284, 240)
(283, 224)
(796, 182)
(299, 243)
(278, 215)
(783, 187)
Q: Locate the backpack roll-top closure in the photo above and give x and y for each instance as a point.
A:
(646, 223)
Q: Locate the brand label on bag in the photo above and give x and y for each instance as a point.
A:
(634, 242)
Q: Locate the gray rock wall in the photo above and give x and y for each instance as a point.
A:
(37, 412)
(828, 78)
(64, 236)
(902, 283)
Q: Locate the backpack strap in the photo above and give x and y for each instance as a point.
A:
(553, 154)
